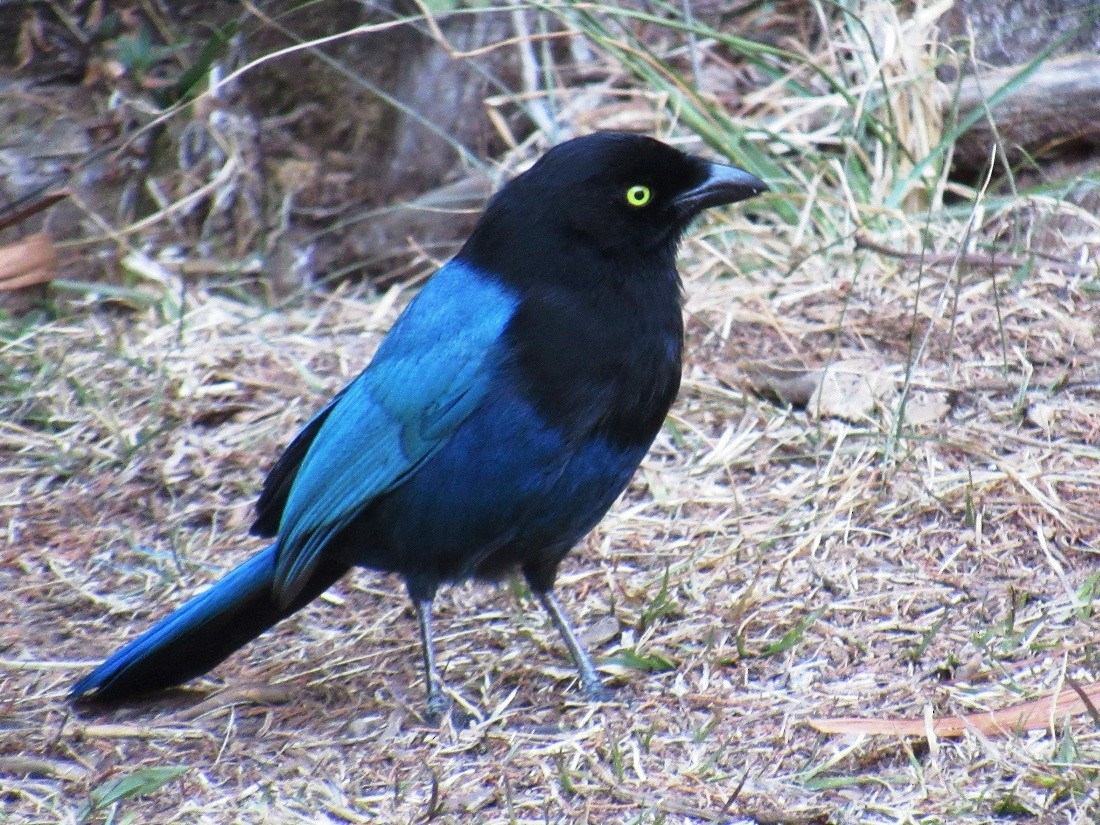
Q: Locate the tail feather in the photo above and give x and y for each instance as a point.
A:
(201, 633)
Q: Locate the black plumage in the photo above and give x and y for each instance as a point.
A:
(499, 420)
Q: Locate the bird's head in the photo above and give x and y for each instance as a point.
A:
(619, 193)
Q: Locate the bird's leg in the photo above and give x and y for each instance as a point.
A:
(590, 680)
(437, 702)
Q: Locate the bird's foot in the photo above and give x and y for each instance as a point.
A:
(598, 692)
(440, 707)
(437, 707)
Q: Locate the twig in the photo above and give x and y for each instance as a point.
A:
(21, 214)
(994, 260)
(1086, 700)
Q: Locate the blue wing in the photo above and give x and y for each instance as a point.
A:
(429, 374)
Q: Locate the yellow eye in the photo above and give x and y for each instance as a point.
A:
(638, 195)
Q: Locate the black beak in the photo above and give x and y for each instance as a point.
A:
(723, 184)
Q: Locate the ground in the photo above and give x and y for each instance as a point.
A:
(908, 538)
(767, 568)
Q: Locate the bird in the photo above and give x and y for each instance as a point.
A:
(500, 418)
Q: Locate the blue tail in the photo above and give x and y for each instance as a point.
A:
(201, 633)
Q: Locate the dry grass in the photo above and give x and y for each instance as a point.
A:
(767, 567)
(957, 571)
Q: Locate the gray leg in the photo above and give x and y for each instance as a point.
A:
(590, 680)
(437, 702)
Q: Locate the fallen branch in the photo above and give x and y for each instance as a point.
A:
(1058, 104)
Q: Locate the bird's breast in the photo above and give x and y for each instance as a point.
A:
(598, 363)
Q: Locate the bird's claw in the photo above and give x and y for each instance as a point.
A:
(440, 708)
(437, 707)
(598, 692)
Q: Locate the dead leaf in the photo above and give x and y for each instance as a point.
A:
(247, 693)
(295, 175)
(851, 389)
(30, 261)
(1036, 714)
(1041, 415)
(600, 632)
(926, 407)
(778, 382)
(27, 765)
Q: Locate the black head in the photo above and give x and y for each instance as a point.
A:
(617, 194)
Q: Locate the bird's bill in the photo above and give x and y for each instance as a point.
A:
(724, 184)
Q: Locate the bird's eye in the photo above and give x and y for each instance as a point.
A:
(638, 195)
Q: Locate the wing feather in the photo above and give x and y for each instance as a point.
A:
(429, 374)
